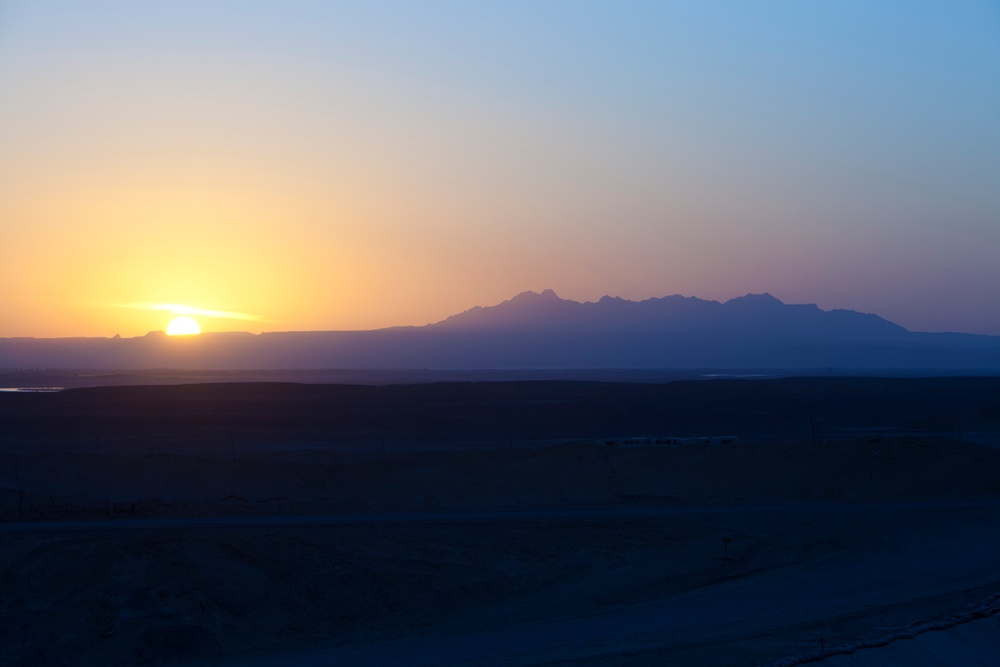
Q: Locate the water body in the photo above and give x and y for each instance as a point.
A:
(31, 390)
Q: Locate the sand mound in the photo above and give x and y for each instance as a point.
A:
(173, 644)
(170, 595)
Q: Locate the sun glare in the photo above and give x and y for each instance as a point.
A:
(183, 326)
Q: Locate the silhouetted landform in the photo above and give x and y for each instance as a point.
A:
(543, 331)
(499, 523)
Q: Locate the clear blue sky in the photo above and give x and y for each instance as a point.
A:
(332, 165)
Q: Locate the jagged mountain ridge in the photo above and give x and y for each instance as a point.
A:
(753, 313)
(541, 330)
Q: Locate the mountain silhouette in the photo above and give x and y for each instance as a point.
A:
(544, 331)
(750, 314)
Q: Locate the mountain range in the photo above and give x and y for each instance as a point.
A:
(544, 331)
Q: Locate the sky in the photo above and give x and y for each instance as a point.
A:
(276, 166)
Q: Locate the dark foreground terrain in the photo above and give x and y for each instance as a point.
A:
(217, 418)
(491, 524)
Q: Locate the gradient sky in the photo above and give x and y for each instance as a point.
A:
(331, 165)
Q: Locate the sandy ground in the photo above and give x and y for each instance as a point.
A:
(719, 556)
(972, 644)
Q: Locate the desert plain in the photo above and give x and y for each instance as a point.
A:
(499, 523)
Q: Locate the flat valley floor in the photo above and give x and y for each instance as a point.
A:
(152, 529)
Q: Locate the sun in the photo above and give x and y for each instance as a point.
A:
(183, 326)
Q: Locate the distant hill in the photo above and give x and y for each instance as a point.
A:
(541, 330)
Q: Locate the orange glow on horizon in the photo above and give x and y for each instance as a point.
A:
(280, 168)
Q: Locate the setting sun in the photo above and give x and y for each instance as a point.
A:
(183, 326)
